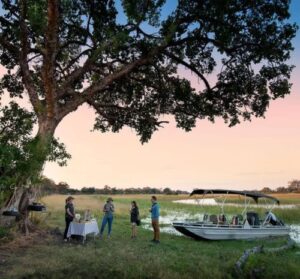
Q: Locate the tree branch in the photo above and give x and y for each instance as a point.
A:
(76, 74)
(25, 46)
(73, 61)
(71, 105)
(189, 66)
(90, 91)
(48, 70)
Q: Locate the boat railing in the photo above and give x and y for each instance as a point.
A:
(208, 225)
(252, 220)
(222, 220)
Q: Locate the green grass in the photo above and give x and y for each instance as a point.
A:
(121, 257)
(4, 233)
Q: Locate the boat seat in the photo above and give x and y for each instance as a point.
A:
(213, 218)
(222, 219)
(234, 220)
(253, 218)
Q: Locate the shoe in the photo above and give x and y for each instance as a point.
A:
(156, 241)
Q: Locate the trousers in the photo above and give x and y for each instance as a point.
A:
(155, 226)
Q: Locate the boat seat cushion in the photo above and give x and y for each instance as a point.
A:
(213, 218)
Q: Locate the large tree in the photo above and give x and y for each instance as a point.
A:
(122, 60)
(17, 146)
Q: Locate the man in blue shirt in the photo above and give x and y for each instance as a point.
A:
(155, 219)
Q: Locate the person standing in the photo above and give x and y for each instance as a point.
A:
(69, 215)
(134, 218)
(155, 219)
(108, 217)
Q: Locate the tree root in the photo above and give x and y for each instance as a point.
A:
(261, 249)
(20, 199)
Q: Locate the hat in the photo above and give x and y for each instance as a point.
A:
(69, 198)
(109, 199)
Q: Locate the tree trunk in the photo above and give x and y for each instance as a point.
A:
(24, 222)
(11, 203)
(40, 147)
(41, 150)
(24, 192)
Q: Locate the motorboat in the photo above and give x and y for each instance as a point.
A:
(244, 225)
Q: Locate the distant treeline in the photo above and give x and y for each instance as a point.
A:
(48, 186)
(293, 187)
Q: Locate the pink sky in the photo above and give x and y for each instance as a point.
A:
(264, 152)
(252, 155)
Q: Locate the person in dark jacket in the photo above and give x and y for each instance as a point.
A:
(134, 218)
(69, 215)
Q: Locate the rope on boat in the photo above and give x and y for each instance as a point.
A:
(261, 249)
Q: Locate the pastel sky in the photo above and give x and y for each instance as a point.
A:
(252, 155)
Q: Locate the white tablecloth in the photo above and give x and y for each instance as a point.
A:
(83, 229)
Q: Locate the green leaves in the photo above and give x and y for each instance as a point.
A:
(37, 16)
(15, 128)
(58, 153)
(13, 84)
(20, 153)
(124, 60)
(144, 10)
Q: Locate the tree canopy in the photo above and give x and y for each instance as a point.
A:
(123, 59)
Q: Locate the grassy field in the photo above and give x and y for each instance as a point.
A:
(121, 257)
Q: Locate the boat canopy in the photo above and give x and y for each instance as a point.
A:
(253, 195)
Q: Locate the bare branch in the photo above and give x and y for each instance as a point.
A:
(33, 57)
(189, 66)
(75, 59)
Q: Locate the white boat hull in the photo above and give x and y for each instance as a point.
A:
(215, 232)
